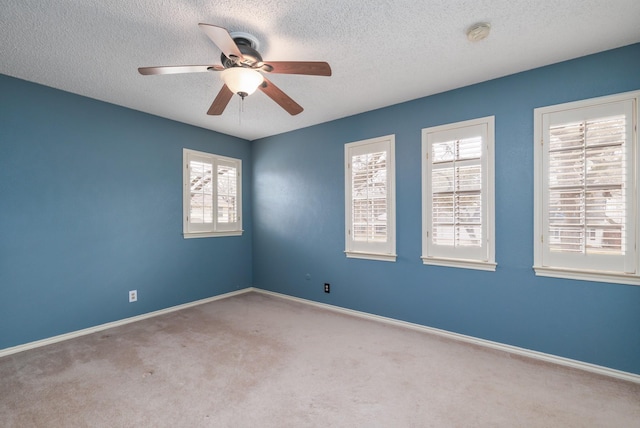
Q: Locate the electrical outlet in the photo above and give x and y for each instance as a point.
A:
(327, 287)
(133, 296)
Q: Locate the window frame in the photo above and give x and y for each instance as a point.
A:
(215, 228)
(548, 264)
(482, 258)
(372, 250)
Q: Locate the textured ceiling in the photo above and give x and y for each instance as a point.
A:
(382, 52)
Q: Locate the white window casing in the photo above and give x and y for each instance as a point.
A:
(458, 210)
(370, 225)
(212, 195)
(586, 190)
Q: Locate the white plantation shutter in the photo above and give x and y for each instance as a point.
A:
(201, 184)
(212, 195)
(457, 194)
(588, 187)
(200, 215)
(227, 199)
(370, 199)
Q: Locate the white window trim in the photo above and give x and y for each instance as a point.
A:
(460, 263)
(539, 192)
(487, 263)
(217, 230)
(376, 253)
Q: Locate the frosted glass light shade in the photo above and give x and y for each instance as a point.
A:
(242, 81)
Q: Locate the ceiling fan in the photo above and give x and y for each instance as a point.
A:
(243, 70)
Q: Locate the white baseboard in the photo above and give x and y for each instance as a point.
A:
(541, 356)
(60, 338)
(567, 362)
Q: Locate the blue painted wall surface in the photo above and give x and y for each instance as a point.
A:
(91, 207)
(298, 205)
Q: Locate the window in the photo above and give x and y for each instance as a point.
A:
(457, 198)
(370, 225)
(586, 190)
(212, 195)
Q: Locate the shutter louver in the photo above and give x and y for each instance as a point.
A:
(587, 186)
(456, 183)
(227, 191)
(369, 197)
(201, 186)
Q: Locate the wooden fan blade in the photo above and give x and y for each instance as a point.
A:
(221, 37)
(311, 68)
(221, 101)
(175, 69)
(280, 97)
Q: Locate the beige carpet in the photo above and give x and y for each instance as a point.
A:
(259, 361)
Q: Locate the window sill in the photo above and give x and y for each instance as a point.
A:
(587, 275)
(460, 263)
(212, 234)
(371, 256)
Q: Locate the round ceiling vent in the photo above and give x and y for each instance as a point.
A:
(478, 31)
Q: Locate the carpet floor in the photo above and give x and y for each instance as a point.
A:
(259, 361)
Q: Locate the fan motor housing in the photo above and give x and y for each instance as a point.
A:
(250, 55)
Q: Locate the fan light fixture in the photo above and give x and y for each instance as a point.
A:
(242, 81)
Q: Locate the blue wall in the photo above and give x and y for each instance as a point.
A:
(298, 205)
(91, 207)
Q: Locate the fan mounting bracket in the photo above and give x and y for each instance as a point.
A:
(240, 37)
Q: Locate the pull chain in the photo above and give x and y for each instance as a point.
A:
(241, 107)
